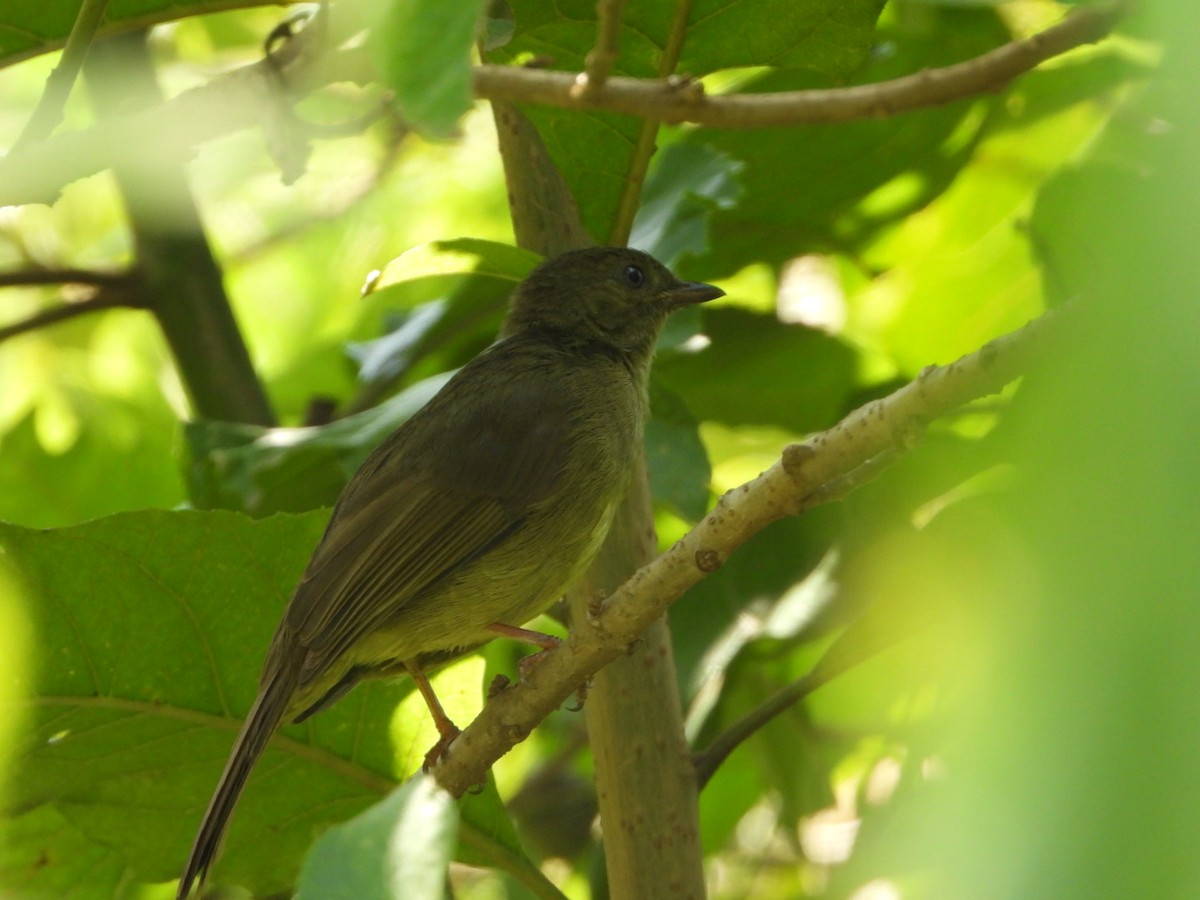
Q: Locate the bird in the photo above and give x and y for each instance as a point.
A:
(477, 513)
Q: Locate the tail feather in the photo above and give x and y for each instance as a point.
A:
(262, 720)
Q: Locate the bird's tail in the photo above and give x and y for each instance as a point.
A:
(262, 720)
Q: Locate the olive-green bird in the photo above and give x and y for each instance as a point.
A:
(478, 512)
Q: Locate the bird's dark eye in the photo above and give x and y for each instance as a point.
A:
(634, 276)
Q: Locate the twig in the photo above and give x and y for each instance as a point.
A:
(92, 277)
(787, 488)
(848, 651)
(107, 298)
(49, 111)
(599, 63)
(639, 163)
(228, 104)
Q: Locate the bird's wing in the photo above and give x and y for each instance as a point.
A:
(435, 496)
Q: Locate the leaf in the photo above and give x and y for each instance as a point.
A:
(400, 847)
(152, 628)
(689, 182)
(262, 471)
(423, 51)
(457, 292)
(30, 27)
(807, 187)
(461, 256)
(759, 371)
(678, 463)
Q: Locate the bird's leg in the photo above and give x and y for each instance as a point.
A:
(529, 663)
(525, 635)
(447, 729)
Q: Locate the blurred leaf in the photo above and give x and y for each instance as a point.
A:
(57, 486)
(961, 271)
(461, 256)
(759, 371)
(30, 27)
(15, 650)
(706, 622)
(153, 626)
(261, 471)
(422, 49)
(400, 847)
(687, 184)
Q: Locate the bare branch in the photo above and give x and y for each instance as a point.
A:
(639, 162)
(685, 102)
(599, 63)
(791, 485)
(106, 298)
(234, 101)
(92, 277)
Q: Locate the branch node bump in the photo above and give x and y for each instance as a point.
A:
(708, 560)
(795, 456)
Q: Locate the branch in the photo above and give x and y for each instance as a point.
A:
(647, 141)
(599, 63)
(790, 486)
(49, 111)
(106, 298)
(90, 277)
(685, 101)
(234, 101)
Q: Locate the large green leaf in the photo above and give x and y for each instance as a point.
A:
(152, 627)
(261, 471)
(423, 51)
(402, 844)
(759, 371)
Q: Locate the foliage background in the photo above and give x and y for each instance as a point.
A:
(1037, 735)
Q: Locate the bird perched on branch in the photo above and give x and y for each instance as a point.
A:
(478, 512)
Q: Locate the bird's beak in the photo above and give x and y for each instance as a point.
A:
(687, 293)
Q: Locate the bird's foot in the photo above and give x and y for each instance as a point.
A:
(449, 731)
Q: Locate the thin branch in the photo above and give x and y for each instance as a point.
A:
(787, 488)
(49, 111)
(848, 651)
(107, 298)
(639, 163)
(232, 101)
(599, 63)
(90, 277)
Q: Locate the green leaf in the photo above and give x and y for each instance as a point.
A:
(759, 371)
(400, 847)
(457, 292)
(688, 183)
(832, 37)
(460, 256)
(826, 171)
(152, 627)
(423, 51)
(44, 857)
(678, 462)
(261, 471)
